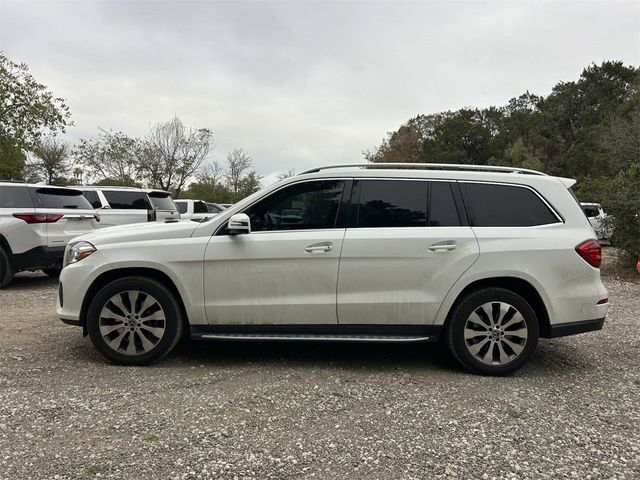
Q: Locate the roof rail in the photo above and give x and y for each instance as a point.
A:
(429, 166)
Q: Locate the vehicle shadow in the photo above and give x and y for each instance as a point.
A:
(24, 280)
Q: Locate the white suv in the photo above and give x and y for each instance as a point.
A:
(123, 205)
(487, 258)
(36, 222)
(195, 209)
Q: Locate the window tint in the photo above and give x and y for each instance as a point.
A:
(307, 205)
(15, 197)
(591, 211)
(504, 206)
(127, 200)
(60, 198)
(442, 206)
(200, 207)
(93, 198)
(162, 201)
(213, 208)
(392, 203)
(182, 206)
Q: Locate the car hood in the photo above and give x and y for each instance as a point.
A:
(135, 232)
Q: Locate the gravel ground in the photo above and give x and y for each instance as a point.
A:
(216, 410)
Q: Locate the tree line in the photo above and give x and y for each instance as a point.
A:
(170, 157)
(587, 129)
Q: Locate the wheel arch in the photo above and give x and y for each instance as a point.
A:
(110, 275)
(516, 285)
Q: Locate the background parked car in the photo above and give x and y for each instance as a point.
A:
(217, 207)
(36, 222)
(196, 209)
(597, 219)
(122, 205)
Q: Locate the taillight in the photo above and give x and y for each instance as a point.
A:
(591, 252)
(638, 265)
(151, 215)
(39, 217)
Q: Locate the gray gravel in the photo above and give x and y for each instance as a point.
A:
(217, 410)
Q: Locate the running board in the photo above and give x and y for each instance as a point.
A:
(317, 333)
(309, 338)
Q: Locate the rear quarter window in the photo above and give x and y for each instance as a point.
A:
(182, 207)
(125, 200)
(15, 196)
(61, 198)
(491, 205)
(162, 202)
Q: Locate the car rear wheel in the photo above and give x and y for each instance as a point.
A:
(135, 321)
(493, 331)
(6, 270)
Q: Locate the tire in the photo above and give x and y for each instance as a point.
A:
(7, 271)
(52, 272)
(497, 342)
(156, 322)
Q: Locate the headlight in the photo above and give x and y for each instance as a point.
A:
(77, 251)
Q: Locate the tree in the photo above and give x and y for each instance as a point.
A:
(12, 160)
(111, 156)
(288, 174)
(172, 153)
(209, 185)
(402, 146)
(52, 160)
(27, 108)
(241, 177)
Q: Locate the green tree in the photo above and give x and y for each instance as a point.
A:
(12, 160)
(28, 109)
(110, 156)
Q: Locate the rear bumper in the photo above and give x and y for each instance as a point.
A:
(573, 328)
(39, 257)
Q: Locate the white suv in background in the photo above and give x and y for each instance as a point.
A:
(488, 259)
(36, 222)
(195, 209)
(123, 205)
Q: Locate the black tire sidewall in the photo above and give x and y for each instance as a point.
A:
(164, 296)
(6, 270)
(472, 301)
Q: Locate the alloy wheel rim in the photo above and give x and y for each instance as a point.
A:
(132, 322)
(495, 333)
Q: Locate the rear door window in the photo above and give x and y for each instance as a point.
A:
(406, 203)
(93, 198)
(49, 197)
(127, 200)
(491, 205)
(15, 196)
(182, 207)
(200, 207)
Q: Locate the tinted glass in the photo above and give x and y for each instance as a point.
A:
(504, 206)
(591, 211)
(442, 206)
(60, 198)
(182, 206)
(213, 208)
(200, 207)
(92, 198)
(123, 199)
(392, 203)
(15, 197)
(307, 205)
(162, 202)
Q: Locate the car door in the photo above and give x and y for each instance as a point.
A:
(407, 243)
(283, 272)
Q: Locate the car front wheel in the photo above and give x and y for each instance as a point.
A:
(493, 331)
(135, 321)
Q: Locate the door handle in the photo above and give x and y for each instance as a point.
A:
(319, 248)
(445, 246)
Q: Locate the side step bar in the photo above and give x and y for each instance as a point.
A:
(317, 333)
(261, 337)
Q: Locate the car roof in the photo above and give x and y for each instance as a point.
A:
(10, 183)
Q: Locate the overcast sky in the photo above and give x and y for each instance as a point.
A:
(298, 84)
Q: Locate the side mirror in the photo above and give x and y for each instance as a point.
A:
(239, 224)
